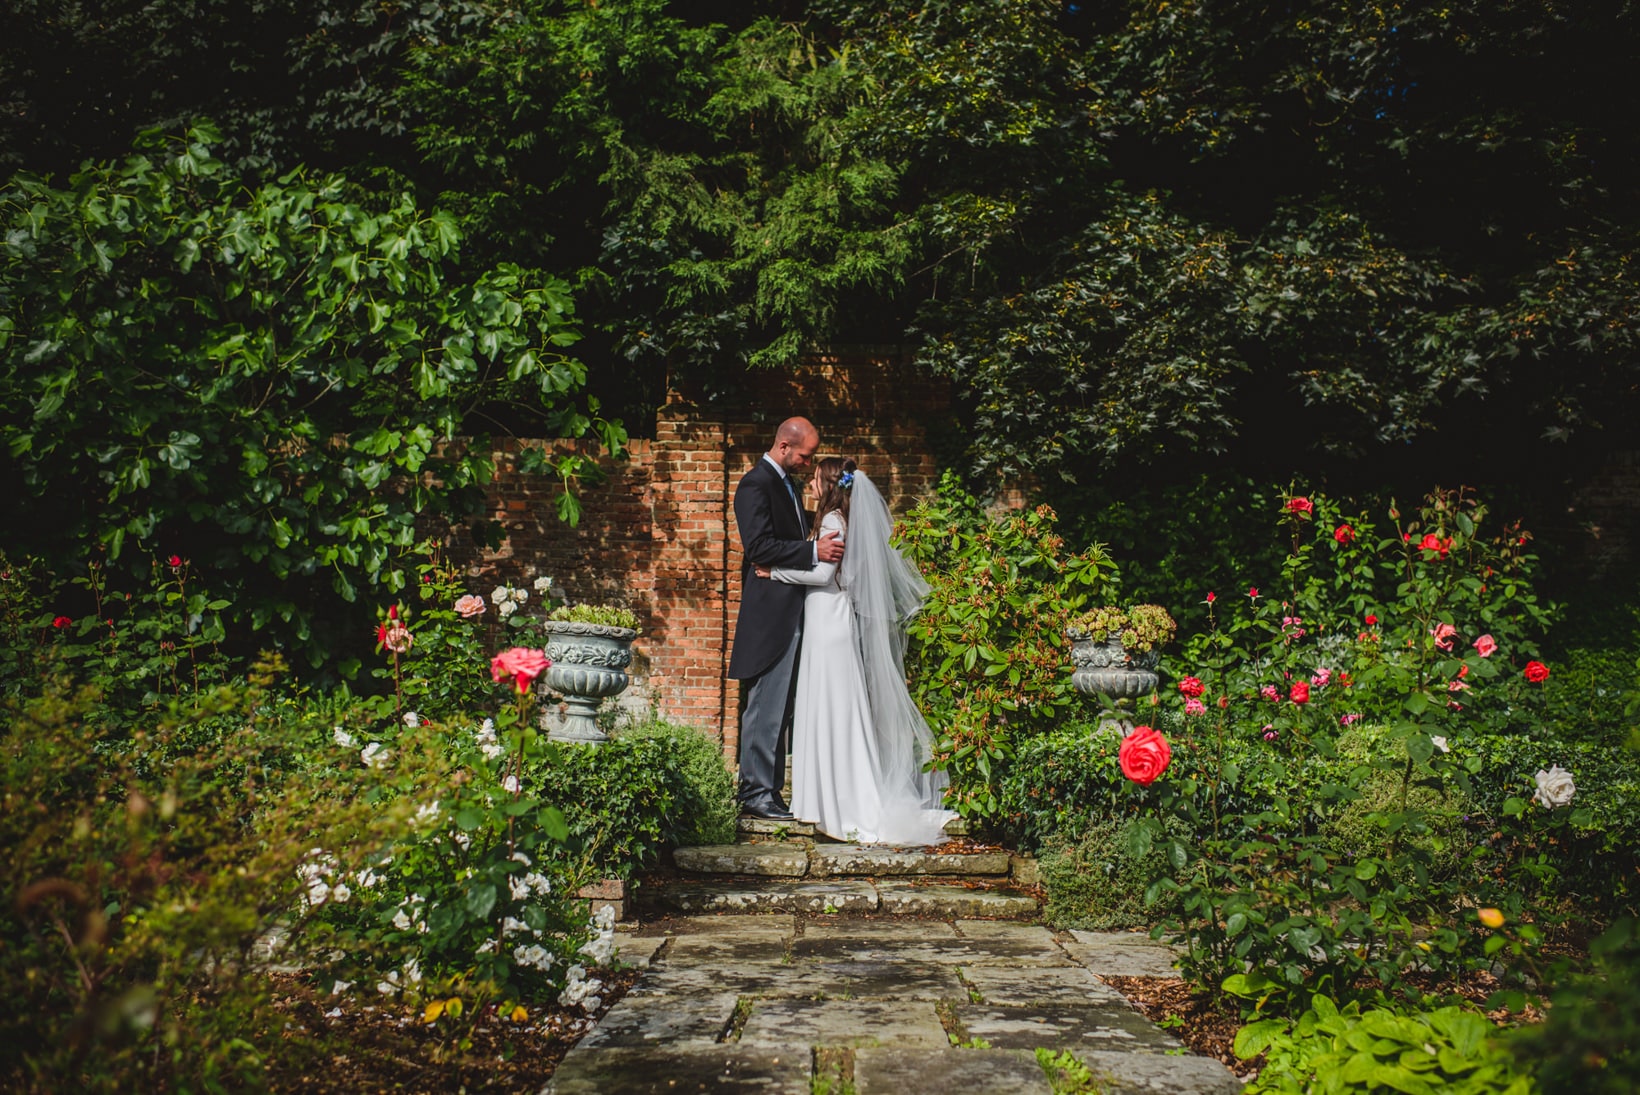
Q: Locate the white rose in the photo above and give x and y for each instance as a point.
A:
(342, 737)
(510, 784)
(506, 608)
(374, 755)
(499, 594)
(411, 719)
(1554, 787)
(340, 893)
(542, 584)
(1440, 743)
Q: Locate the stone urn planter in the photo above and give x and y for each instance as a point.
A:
(1107, 668)
(588, 664)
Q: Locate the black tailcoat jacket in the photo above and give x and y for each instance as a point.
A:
(771, 533)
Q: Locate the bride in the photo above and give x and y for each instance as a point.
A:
(859, 744)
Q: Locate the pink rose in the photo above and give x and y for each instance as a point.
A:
(1190, 687)
(1486, 646)
(470, 606)
(521, 665)
(1144, 755)
(398, 639)
(1443, 635)
(1320, 677)
(1194, 706)
(1271, 693)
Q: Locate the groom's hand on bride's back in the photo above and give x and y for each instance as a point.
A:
(830, 548)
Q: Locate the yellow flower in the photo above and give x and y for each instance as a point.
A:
(519, 1014)
(1492, 918)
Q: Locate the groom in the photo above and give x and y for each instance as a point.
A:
(773, 533)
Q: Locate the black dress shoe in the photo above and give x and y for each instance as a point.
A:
(767, 811)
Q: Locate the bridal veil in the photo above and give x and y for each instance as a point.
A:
(886, 591)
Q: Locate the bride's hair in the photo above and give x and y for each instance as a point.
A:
(833, 496)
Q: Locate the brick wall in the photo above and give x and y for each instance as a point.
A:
(657, 533)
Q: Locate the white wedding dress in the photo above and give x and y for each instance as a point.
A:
(852, 771)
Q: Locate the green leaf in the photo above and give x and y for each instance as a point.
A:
(480, 899)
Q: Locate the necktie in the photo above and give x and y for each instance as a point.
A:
(792, 490)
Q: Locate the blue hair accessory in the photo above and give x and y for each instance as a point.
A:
(846, 480)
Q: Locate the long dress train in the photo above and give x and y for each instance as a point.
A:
(838, 780)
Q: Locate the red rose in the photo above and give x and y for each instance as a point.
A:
(1372, 620)
(1300, 692)
(1144, 755)
(381, 635)
(1224, 701)
(521, 665)
(1344, 534)
(1191, 687)
(61, 621)
(1300, 505)
(174, 561)
(1210, 597)
(1537, 672)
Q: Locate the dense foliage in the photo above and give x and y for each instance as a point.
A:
(987, 649)
(175, 830)
(265, 380)
(1119, 228)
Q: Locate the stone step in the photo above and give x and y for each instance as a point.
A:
(793, 859)
(751, 828)
(823, 895)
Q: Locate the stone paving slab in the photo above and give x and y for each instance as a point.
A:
(883, 860)
(697, 950)
(727, 1069)
(946, 902)
(1039, 986)
(895, 931)
(773, 860)
(637, 951)
(873, 986)
(948, 1072)
(1078, 1028)
(865, 979)
(757, 826)
(857, 1023)
(838, 895)
(1004, 929)
(709, 978)
(1159, 1074)
(1123, 954)
(736, 926)
(671, 1021)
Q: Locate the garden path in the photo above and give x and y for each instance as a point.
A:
(779, 1004)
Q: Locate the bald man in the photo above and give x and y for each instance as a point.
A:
(773, 533)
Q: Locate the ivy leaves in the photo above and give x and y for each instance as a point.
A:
(269, 373)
